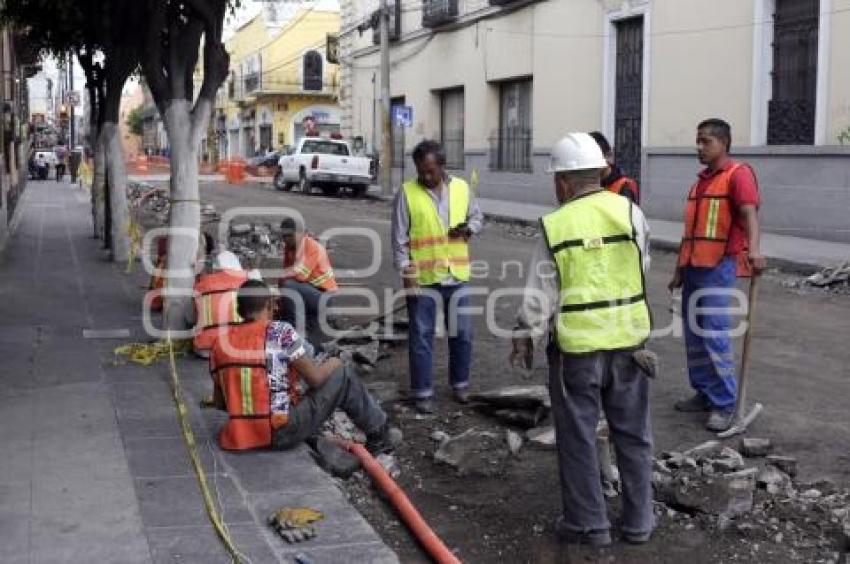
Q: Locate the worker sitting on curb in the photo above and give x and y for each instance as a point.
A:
(158, 276)
(435, 216)
(595, 314)
(257, 368)
(613, 178)
(307, 272)
(720, 243)
(215, 300)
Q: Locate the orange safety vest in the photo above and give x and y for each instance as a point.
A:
(215, 305)
(157, 281)
(625, 182)
(708, 219)
(311, 264)
(238, 367)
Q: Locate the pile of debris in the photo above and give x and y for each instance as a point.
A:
(366, 346)
(522, 406)
(754, 495)
(836, 279)
(150, 206)
(253, 243)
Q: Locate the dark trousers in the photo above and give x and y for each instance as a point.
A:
(581, 385)
(342, 390)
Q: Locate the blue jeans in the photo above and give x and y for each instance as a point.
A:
(711, 359)
(422, 310)
(309, 295)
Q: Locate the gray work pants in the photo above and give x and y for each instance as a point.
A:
(581, 385)
(343, 390)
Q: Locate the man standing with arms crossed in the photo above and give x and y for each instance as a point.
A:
(592, 305)
(435, 216)
(721, 242)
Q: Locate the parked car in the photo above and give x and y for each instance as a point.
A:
(263, 165)
(326, 164)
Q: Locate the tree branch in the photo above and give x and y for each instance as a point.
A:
(152, 57)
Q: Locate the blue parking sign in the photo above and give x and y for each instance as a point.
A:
(402, 116)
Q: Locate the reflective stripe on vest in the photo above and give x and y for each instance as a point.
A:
(238, 365)
(312, 265)
(434, 254)
(625, 182)
(215, 304)
(600, 267)
(708, 220)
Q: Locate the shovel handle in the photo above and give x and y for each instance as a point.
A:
(752, 296)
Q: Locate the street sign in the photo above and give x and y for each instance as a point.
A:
(403, 116)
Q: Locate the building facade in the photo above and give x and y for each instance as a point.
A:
(499, 81)
(279, 75)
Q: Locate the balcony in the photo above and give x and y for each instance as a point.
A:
(395, 23)
(252, 83)
(436, 13)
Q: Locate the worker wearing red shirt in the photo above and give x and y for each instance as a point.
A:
(308, 273)
(721, 242)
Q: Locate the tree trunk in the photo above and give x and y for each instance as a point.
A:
(117, 180)
(98, 186)
(185, 216)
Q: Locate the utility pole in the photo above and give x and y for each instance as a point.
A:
(72, 141)
(386, 125)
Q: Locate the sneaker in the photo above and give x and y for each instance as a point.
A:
(425, 405)
(720, 420)
(461, 395)
(384, 440)
(695, 404)
(589, 538)
(637, 538)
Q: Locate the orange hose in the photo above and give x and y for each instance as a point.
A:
(411, 517)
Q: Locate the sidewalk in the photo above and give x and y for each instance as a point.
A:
(791, 252)
(94, 468)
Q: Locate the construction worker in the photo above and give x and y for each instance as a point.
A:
(307, 272)
(435, 217)
(591, 304)
(257, 368)
(612, 177)
(215, 300)
(721, 241)
(158, 276)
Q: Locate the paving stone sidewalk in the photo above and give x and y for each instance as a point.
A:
(94, 466)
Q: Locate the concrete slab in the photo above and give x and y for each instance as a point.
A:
(163, 457)
(200, 545)
(277, 472)
(157, 498)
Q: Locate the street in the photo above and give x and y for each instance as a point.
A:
(798, 371)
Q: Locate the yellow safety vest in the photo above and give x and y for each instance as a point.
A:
(603, 296)
(436, 255)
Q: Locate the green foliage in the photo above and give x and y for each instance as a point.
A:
(844, 136)
(135, 121)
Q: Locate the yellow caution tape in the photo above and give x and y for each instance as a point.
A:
(146, 354)
(135, 233)
(216, 520)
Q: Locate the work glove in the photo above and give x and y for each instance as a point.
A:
(461, 231)
(647, 361)
(293, 523)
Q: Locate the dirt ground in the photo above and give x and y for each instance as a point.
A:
(504, 510)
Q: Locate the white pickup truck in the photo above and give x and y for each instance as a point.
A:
(326, 164)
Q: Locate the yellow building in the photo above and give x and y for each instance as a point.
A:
(278, 76)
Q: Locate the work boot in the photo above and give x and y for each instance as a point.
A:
(383, 441)
(589, 538)
(720, 420)
(637, 538)
(461, 395)
(425, 405)
(698, 403)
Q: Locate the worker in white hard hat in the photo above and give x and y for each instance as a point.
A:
(585, 294)
(215, 300)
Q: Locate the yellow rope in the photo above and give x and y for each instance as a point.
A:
(216, 520)
(135, 233)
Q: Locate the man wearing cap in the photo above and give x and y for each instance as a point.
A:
(215, 300)
(308, 273)
(586, 292)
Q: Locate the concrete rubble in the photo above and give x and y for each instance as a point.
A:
(150, 206)
(718, 488)
(474, 452)
(542, 437)
(522, 406)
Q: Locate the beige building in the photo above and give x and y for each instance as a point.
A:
(500, 81)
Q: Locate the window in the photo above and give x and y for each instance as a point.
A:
(231, 85)
(510, 147)
(324, 148)
(312, 71)
(252, 73)
(451, 126)
(438, 12)
(791, 110)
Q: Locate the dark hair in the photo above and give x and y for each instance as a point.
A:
(252, 298)
(209, 242)
(603, 143)
(718, 128)
(429, 147)
(290, 225)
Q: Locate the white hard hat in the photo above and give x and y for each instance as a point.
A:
(254, 274)
(576, 151)
(226, 260)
